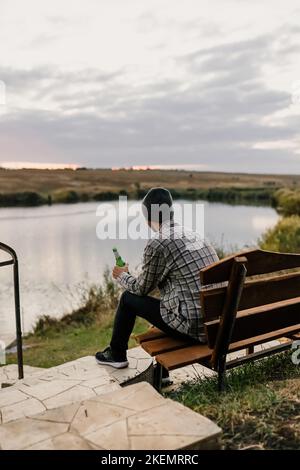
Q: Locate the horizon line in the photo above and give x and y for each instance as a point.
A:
(180, 167)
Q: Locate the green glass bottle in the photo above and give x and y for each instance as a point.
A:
(119, 261)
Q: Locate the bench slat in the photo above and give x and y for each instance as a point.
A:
(256, 292)
(259, 320)
(259, 262)
(162, 345)
(202, 353)
(185, 356)
(152, 333)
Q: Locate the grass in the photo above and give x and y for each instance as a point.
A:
(260, 409)
(68, 186)
(68, 344)
(99, 180)
(287, 201)
(284, 237)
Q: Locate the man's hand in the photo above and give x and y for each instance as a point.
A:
(117, 271)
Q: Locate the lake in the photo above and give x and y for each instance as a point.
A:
(58, 249)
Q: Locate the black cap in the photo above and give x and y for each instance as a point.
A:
(157, 205)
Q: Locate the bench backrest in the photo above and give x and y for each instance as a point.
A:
(265, 304)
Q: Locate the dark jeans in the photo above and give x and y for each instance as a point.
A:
(131, 306)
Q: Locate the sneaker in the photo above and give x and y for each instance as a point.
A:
(105, 358)
(166, 382)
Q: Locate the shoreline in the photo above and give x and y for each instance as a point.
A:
(233, 196)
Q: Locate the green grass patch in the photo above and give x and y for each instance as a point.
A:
(257, 410)
(68, 344)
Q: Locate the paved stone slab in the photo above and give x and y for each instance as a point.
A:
(64, 441)
(95, 414)
(29, 407)
(60, 415)
(71, 395)
(9, 374)
(25, 432)
(112, 437)
(134, 398)
(135, 417)
(55, 387)
(43, 390)
(11, 396)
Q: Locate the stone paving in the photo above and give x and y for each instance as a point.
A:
(135, 417)
(139, 361)
(74, 381)
(9, 374)
(79, 380)
(81, 405)
(54, 387)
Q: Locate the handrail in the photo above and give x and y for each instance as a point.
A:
(14, 261)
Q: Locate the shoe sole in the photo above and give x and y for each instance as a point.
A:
(116, 365)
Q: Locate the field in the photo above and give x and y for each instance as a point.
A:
(35, 187)
(48, 181)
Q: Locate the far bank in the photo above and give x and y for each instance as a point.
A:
(30, 187)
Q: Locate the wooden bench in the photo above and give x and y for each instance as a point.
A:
(245, 302)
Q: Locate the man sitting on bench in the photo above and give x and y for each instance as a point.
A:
(172, 262)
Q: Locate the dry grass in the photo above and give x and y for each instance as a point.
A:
(93, 181)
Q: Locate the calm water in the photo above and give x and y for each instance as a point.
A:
(58, 249)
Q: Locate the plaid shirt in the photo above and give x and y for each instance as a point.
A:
(172, 261)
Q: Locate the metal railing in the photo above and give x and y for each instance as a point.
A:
(14, 262)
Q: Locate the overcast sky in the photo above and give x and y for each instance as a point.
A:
(208, 84)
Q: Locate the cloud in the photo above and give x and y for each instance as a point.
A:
(214, 107)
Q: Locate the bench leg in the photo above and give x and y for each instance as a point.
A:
(221, 374)
(158, 376)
